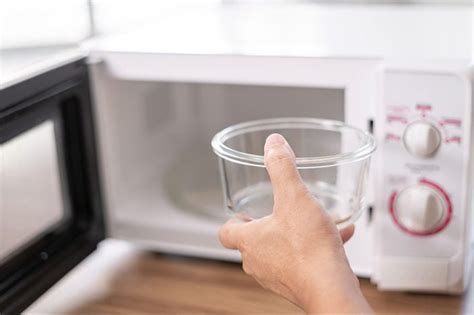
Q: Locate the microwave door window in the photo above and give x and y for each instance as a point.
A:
(32, 195)
(50, 199)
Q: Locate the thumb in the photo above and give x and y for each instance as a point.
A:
(281, 167)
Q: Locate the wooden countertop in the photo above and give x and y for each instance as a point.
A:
(120, 279)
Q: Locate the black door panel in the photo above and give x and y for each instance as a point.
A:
(51, 213)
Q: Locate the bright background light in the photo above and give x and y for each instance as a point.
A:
(42, 23)
(30, 23)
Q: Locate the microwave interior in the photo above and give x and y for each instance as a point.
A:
(160, 173)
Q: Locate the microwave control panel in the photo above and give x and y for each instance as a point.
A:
(423, 147)
(423, 172)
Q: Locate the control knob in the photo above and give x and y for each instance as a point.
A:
(421, 209)
(421, 139)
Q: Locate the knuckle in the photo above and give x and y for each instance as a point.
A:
(295, 194)
(302, 193)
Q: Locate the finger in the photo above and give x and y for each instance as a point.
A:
(230, 234)
(347, 232)
(281, 166)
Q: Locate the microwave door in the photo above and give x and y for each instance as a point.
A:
(50, 207)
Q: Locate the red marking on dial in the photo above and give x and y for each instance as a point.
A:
(449, 214)
(423, 107)
(391, 136)
(451, 121)
(400, 119)
(399, 108)
(454, 139)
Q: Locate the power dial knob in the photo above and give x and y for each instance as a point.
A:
(421, 209)
(421, 139)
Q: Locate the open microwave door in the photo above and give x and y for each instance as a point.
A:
(51, 214)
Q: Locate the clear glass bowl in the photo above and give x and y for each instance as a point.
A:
(332, 158)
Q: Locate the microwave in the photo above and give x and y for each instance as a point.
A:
(113, 140)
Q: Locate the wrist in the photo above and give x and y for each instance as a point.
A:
(346, 300)
(331, 289)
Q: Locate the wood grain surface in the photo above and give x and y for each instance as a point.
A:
(143, 282)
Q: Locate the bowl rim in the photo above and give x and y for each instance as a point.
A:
(364, 151)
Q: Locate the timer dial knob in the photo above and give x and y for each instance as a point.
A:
(421, 139)
(420, 209)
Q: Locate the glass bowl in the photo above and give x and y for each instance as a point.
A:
(333, 159)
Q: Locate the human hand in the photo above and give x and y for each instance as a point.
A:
(297, 251)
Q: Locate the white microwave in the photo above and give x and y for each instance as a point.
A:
(116, 143)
